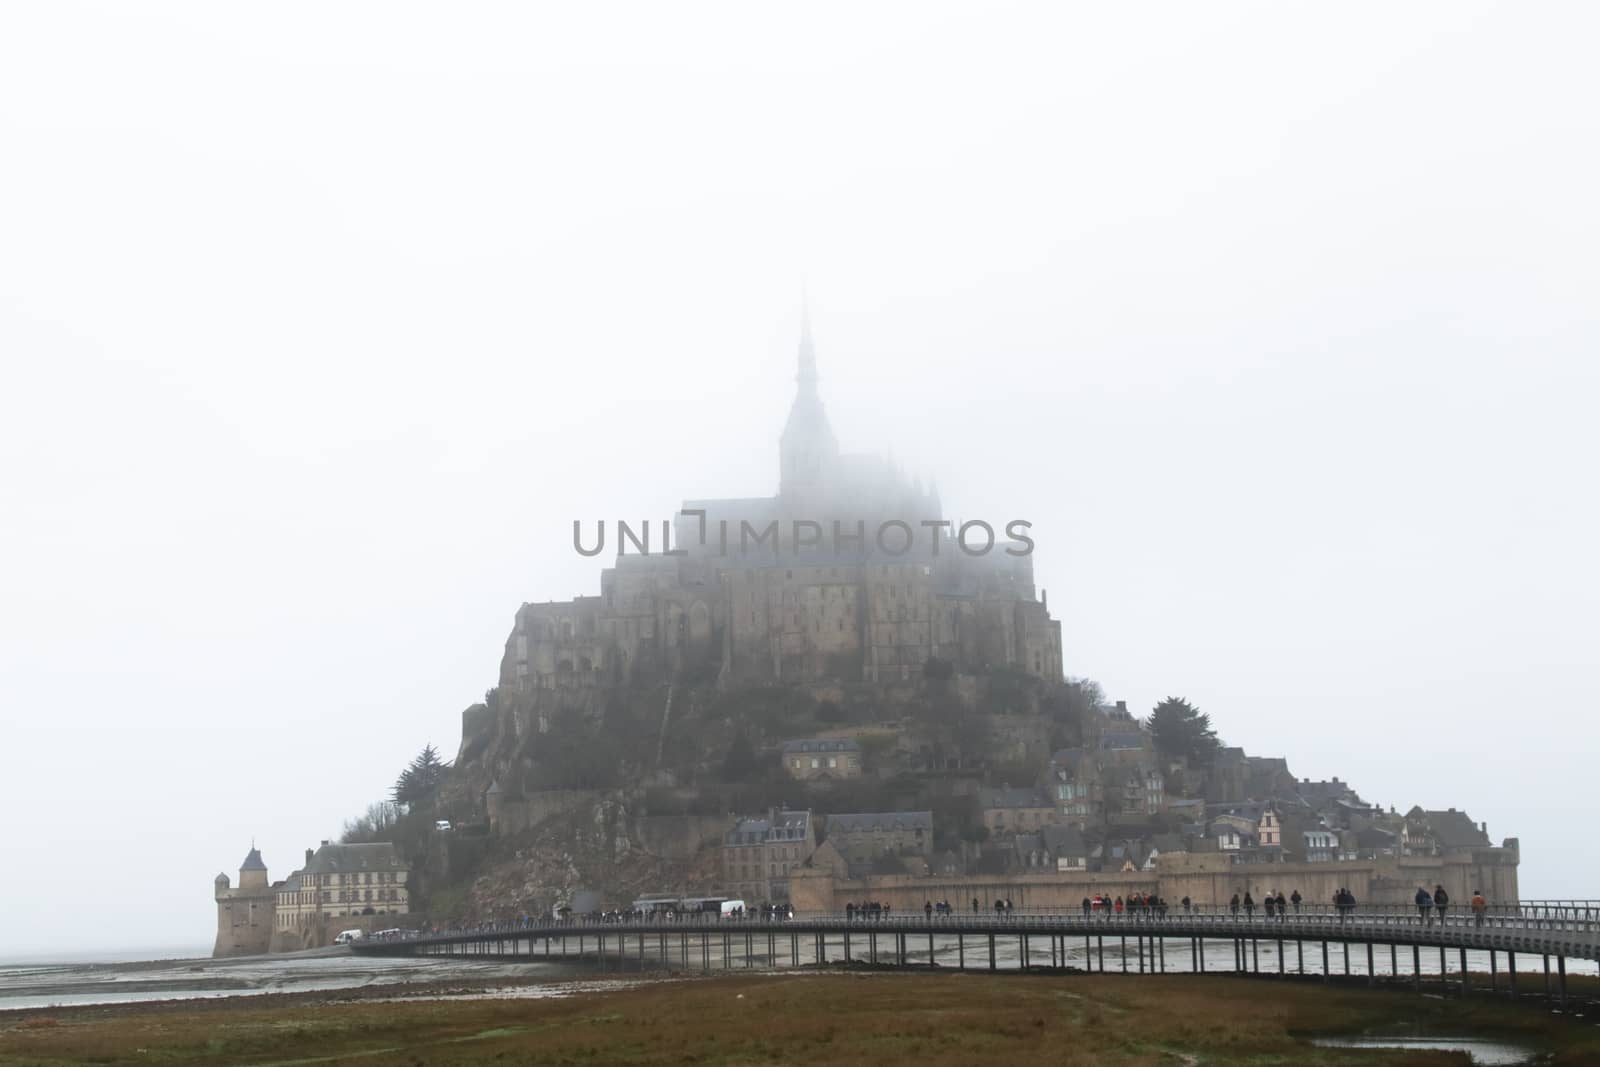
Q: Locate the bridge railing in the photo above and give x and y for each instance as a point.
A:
(1570, 916)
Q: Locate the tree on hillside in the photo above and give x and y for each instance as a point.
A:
(1180, 729)
(1069, 707)
(742, 763)
(421, 777)
(374, 825)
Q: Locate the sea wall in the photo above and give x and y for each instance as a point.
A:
(1207, 879)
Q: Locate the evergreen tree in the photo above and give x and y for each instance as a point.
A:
(1180, 729)
(421, 777)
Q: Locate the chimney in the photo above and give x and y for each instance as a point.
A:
(1485, 828)
(308, 857)
(1336, 779)
(1122, 705)
(324, 842)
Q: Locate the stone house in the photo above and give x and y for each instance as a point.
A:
(760, 851)
(343, 880)
(866, 838)
(1436, 833)
(1067, 845)
(829, 757)
(1072, 779)
(1321, 846)
(1010, 811)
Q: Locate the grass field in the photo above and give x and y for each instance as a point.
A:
(844, 1019)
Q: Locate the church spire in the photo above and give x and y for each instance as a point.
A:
(807, 447)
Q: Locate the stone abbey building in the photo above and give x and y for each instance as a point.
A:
(851, 573)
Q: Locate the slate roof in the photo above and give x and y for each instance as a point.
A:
(888, 821)
(1121, 739)
(780, 826)
(822, 744)
(1453, 829)
(1012, 798)
(339, 859)
(252, 861)
(1065, 841)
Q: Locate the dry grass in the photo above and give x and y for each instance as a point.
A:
(835, 1019)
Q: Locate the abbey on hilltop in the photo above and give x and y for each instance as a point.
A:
(819, 597)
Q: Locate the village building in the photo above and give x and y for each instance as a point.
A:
(760, 851)
(822, 758)
(1009, 811)
(343, 880)
(867, 839)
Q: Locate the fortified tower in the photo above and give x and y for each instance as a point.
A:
(244, 915)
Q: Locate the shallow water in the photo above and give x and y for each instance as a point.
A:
(61, 984)
(1481, 1051)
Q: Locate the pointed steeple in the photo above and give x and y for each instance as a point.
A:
(807, 448)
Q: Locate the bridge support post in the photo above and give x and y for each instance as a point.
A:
(1561, 965)
(1547, 974)
(1139, 943)
(1100, 939)
(1324, 961)
(1200, 955)
(1124, 953)
(1300, 955)
(1347, 959)
(1370, 977)
(1465, 981)
(991, 952)
(1416, 966)
(930, 949)
(1161, 953)
(1052, 952)
(1494, 971)
(847, 946)
(1280, 955)
(1255, 956)
(1511, 972)
(1022, 949)
(1444, 971)
(961, 952)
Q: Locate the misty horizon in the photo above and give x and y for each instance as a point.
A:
(317, 344)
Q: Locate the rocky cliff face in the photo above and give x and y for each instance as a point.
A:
(601, 847)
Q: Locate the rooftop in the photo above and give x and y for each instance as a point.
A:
(886, 821)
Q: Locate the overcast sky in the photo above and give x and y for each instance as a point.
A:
(321, 323)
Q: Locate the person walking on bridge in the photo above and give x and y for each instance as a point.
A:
(1480, 907)
(1233, 905)
(975, 908)
(1283, 906)
(1268, 904)
(1424, 907)
(1295, 898)
(1249, 906)
(927, 910)
(1441, 900)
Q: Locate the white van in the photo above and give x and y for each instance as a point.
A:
(347, 936)
(731, 906)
